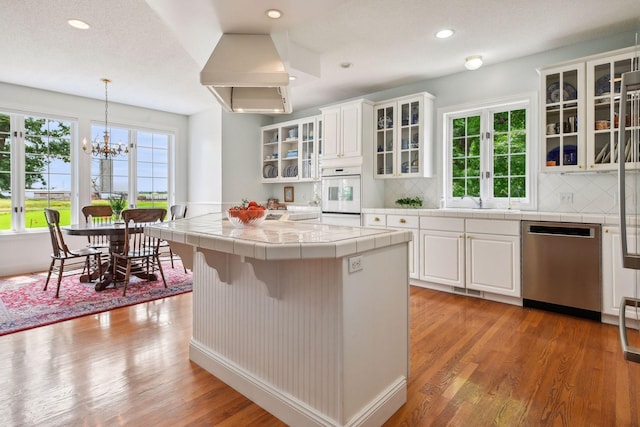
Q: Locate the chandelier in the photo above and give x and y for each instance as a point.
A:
(103, 148)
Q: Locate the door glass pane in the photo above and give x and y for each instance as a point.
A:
(109, 176)
(47, 170)
(152, 169)
(5, 172)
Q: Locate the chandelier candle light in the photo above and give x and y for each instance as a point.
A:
(104, 149)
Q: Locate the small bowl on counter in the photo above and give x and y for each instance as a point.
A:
(241, 218)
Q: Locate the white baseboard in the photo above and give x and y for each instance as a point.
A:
(287, 408)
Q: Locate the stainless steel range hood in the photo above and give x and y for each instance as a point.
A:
(247, 75)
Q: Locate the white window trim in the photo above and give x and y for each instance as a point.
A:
(445, 113)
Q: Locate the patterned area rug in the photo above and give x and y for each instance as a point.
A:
(24, 304)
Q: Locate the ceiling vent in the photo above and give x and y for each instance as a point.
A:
(246, 74)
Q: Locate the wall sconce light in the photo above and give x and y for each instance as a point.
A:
(473, 62)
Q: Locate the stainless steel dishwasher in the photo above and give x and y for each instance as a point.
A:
(561, 267)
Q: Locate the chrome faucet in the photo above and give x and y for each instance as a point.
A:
(477, 201)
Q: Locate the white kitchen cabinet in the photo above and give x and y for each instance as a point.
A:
(442, 250)
(493, 256)
(603, 106)
(618, 281)
(412, 223)
(406, 222)
(580, 104)
(345, 127)
(310, 148)
(403, 137)
(374, 220)
(291, 151)
(478, 254)
(562, 117)
(270, 142)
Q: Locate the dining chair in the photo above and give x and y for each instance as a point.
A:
(63, 255)
(140, 253)
(175, 212)
(97, 215)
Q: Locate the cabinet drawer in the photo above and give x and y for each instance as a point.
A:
(375, 220)
(493, 226)
(403, 221)
(441, 223)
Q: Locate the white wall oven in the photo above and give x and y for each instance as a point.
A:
(341, 196)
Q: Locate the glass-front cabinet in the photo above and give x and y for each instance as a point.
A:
(604, 77)
(385, 139)
(403, 129)
(310, 148)
(291, 150)
(562, 101)
(270, 153)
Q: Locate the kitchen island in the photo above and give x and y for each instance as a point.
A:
(310, 321)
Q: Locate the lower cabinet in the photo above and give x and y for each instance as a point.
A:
(442, 251)
(411, 223)
(618, 281)
(493, 260)
(477, 254)
(407, 222)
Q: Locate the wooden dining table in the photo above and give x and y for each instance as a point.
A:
(116, 233)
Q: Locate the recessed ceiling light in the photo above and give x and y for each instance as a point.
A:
(445, 33)
(292, 77)
(76, 23)
(274, 13)
(346, 64)
(473, 62)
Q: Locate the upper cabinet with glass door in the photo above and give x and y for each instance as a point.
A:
(604, 77)
(310, 140)
(291, 150)
(403, 137)
(270, 141)
(562, 101)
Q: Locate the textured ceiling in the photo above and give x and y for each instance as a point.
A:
(153, 50)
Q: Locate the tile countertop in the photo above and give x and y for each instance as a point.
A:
(276, 239)
(505, 214)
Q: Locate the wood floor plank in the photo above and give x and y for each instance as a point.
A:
(473, 363)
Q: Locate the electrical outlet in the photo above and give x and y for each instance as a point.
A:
(566, 198)
(355, 263)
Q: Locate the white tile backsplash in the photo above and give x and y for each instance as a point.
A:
(427, 188)
(592, 193)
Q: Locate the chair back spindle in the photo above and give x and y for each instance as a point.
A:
(98, 215)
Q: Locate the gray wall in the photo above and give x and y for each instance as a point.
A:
(241, 158)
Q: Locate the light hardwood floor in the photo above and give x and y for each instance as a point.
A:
(473, 363)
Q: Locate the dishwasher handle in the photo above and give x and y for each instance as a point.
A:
(558, 230)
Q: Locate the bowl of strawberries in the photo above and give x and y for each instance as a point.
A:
(248, 214)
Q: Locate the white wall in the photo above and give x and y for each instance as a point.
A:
(205, 161)
(30, 251)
